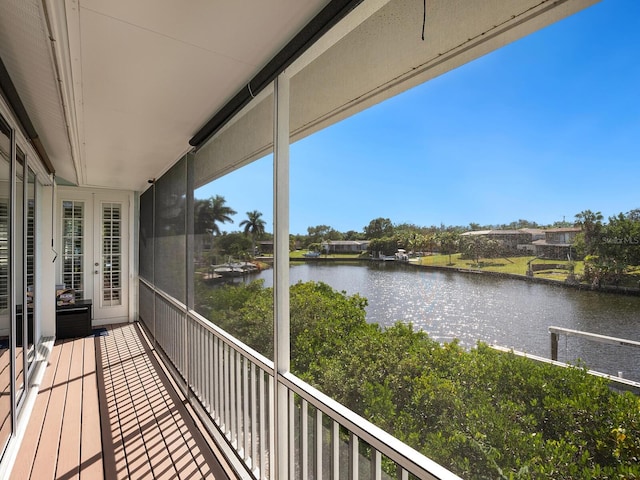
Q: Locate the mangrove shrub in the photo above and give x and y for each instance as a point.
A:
(481, 413)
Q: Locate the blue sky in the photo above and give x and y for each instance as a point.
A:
(540, 130)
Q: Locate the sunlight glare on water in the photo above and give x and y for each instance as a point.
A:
(473, 307)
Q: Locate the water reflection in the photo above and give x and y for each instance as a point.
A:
(472, 307)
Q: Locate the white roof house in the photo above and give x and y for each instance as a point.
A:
(345, 246)
(113, 112)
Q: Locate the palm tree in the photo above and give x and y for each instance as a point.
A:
(208, 213)
(449, 243)
(254, 226)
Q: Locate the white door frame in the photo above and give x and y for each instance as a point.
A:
(92, 199)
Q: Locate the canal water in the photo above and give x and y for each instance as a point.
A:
(498, 311)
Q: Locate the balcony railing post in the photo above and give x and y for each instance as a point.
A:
(554, 346)
(281, 354)
(153, 266)
(354, 450)
(318, 447)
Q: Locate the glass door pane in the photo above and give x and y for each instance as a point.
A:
(30, 263)
(111, 254)
(18, 265)
(73, 229)
(5, 307)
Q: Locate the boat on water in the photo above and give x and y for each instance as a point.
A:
(235, 269)
(311, 254)
(401, 255)
(229, 271)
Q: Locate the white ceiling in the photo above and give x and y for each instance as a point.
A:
(139, 78)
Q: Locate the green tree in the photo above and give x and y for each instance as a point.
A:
(520, 223)
(253, 226)
(203, 221)
(378, 228)
(449, 243)
(621, 238)
(352, 235)
(208, 213)
(232, 243)
(475, 226)
(579, 245)
(591, 224)
(322, 232)
(476, 247)
(613, 248)
(384, 246)
(634, 215)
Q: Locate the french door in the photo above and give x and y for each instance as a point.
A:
(95, 250)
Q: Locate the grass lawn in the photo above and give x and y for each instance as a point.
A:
(513, 265)
(299, 254)
(518, 266)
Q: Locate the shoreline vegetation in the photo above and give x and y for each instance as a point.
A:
(557, 274)
(480, 413)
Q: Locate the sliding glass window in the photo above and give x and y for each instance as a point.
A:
(18, 269)
(17, 277)
(26, 322)
(5, 285)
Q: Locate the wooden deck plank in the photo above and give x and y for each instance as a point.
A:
(91, 463)
(24, 462)
(123, 375)
(157, 430)
(198, 460)
(122, 423)
(5, 393)
(178, 451)
(107, 410)
(113, 448)
(45, 462)
(151, 431)
(68, 466)
(180, 454)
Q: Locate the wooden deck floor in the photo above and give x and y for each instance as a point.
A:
(106, 409)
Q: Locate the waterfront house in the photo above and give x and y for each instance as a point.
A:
(529, 247)
(265, 246)
(345, 246)
(557, 243)
(111, 115)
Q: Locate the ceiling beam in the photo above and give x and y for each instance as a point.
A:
(330, 15)
(11, 94)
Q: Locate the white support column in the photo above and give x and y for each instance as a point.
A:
(281, 354)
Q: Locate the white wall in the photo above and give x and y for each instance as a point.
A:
(45, 266)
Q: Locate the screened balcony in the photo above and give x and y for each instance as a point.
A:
(126, 109)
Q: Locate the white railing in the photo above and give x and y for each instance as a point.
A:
(594, 337)
(235, 386)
